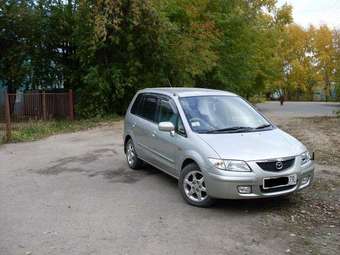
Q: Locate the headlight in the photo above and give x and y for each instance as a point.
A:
(218, 163)
(230, 165)
(305, 158)
(235, 165)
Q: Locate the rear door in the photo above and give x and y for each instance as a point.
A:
(145, 127)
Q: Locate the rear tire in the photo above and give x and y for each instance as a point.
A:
(131, 156)
(192, 187)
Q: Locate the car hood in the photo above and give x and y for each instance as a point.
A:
(249, 146)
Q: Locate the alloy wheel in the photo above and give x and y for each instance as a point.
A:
(194, 186)
(131, 154)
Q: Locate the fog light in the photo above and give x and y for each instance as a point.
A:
(244, 189)
(305, 180)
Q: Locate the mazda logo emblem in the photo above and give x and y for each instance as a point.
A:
(279, 165)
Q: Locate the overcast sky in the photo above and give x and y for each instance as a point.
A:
(315, 12)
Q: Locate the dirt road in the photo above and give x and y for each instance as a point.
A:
(74, 194)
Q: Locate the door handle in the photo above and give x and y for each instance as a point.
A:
(133, 125)
(154, 134)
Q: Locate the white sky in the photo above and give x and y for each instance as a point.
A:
(316, 12)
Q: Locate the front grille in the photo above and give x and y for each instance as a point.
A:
(272, 165)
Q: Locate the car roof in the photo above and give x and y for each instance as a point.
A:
(186, 92)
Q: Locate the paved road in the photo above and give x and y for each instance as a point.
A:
(74, 194)
(299, 109)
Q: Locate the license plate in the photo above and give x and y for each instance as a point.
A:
(292, 179)
(275, 182)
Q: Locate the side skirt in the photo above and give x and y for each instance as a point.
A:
(163, 170)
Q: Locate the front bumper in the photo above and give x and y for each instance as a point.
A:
(226, 186)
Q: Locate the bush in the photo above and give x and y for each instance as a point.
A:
(257, 99)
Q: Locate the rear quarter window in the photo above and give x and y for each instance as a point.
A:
(136, 103)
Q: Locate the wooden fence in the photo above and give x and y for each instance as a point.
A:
(20, 108)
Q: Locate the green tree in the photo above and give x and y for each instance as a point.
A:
(248, 45)
(189, 39)
(15, 24)
(106, 50)
(124, 55)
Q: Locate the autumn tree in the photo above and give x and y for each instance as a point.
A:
(299, 70)
(336, 36)
(324, 53)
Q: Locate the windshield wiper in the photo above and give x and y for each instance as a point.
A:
(230, 129)
(237, 129)
(263, 126)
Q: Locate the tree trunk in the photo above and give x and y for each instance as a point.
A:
(327, 87)
(12, 91)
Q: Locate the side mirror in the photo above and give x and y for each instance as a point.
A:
(166, 126)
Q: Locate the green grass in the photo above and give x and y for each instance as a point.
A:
(35, 130)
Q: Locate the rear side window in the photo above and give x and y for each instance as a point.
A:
(135, 106)
(147, 109)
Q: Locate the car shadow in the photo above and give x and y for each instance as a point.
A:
(258, 205)
(151, 170)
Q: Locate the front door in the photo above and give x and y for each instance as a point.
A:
(165, 143)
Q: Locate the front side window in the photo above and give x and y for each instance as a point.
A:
(210, 114)
(148, 108)
(180, 127)
(168, 112)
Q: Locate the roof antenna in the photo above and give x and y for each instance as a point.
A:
(169, 83)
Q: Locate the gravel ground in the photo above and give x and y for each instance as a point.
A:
(74, 194)
(314, 214)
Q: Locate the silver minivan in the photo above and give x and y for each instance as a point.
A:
(215, 143)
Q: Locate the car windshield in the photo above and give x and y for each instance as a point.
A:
(214, 114)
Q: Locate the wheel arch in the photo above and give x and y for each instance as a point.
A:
(186, 162)
(191, 157)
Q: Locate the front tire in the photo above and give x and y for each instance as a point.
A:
(192, 187)
(131, 156)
